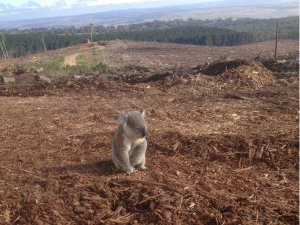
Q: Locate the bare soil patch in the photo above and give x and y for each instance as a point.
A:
(70, 59)
(223, 146)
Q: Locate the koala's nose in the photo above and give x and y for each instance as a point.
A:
(145, 132)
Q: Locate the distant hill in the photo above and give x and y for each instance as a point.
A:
(216, 32)
(213, 10)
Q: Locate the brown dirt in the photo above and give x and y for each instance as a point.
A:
(70, 59)
(223, 142)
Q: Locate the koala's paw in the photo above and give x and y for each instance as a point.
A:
(143, 168)
(129, 171)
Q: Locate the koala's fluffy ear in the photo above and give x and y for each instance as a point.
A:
(123, 118)
(142, 112)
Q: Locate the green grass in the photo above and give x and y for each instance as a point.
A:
(101, 67)
(56, 63)
(78, 67)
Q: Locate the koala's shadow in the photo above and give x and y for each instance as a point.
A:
(105, 167)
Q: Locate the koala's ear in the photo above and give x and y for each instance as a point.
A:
(142, 112)
(123, 118)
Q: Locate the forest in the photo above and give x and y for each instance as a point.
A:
(196, 35)
(217, 32)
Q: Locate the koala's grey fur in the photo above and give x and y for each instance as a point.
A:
(129, 144)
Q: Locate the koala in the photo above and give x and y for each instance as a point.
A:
(129, 144)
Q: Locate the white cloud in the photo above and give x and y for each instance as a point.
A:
(43, 3)
(101, 2)
(60, 4)
(31, 5)
(50, 8)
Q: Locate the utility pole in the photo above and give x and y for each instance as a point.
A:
(276, 42)
(92, 27)
(3, 46)
(3, 53)
(42, 35)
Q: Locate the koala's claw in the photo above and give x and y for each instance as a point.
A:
(143, 168)
(130, 171)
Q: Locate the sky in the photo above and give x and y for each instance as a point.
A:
(71, 3)
(29, 9)
(23, 8)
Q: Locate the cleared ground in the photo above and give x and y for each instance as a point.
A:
(223, 139)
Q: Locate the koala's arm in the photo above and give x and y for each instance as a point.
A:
(138, 157)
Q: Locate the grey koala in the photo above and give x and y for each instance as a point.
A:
(129, 144)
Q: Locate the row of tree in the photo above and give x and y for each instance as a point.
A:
(19, 45)
(23, 44)
(196, 35)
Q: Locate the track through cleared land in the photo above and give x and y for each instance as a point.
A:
(70, 59)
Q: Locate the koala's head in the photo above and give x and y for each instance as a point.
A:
(134, 124)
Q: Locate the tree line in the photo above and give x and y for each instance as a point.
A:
(23, 44)
(263, 29)
(195, 35)
(19, 45)
(217, 32)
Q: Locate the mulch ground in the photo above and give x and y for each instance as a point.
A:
(222, 147)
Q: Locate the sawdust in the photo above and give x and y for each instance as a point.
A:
(223, 149)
